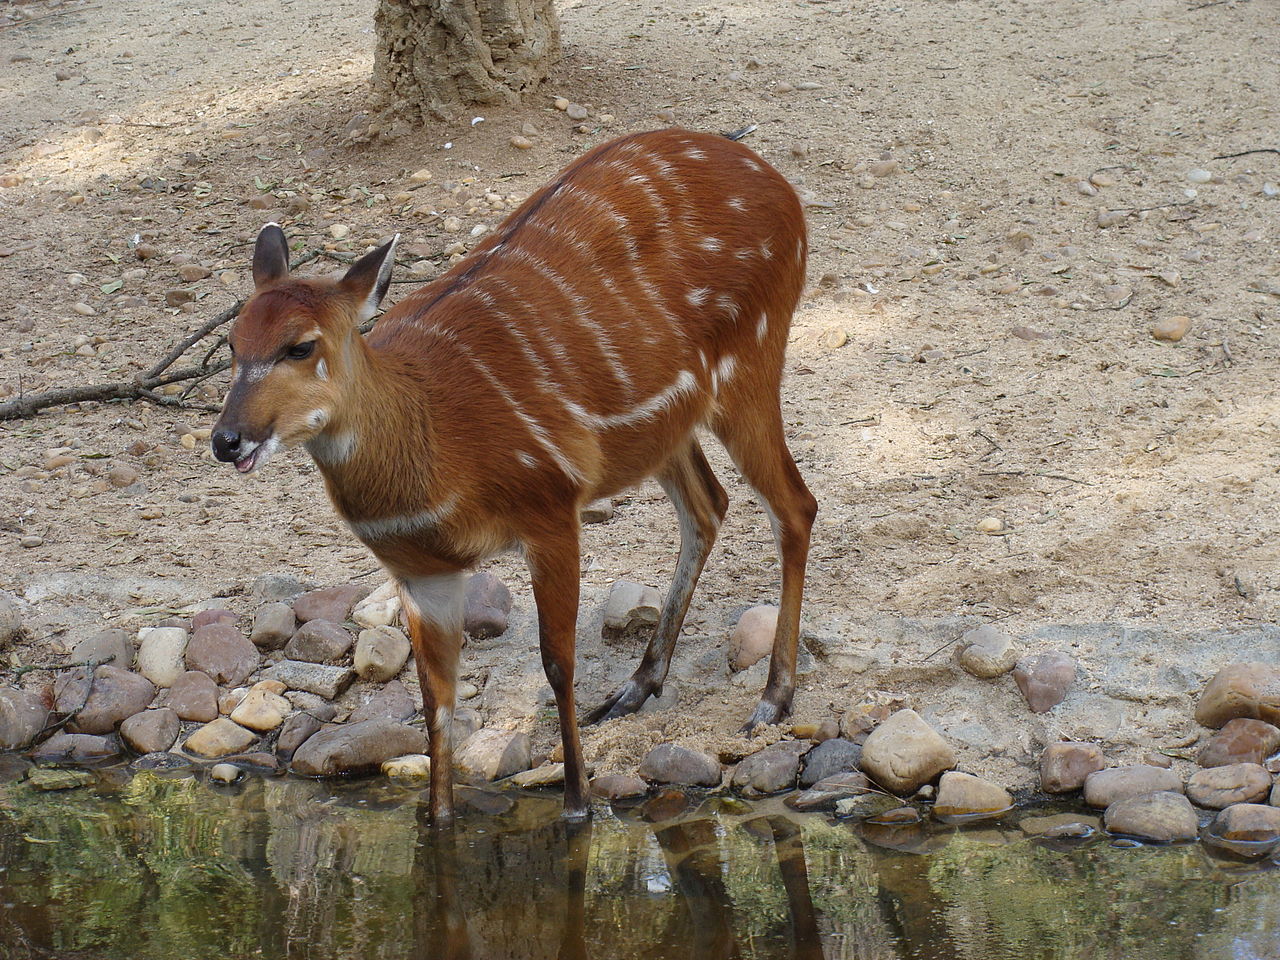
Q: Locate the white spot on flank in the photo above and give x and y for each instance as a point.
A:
(766, 249)
(721, 374)
(405, 524)
(698, 296)
(737, 203)
(728, 305)
(762, 326)
(799, 250)
(527, 459)
(693, 153)
(435, 600)
(711, 243)
(322, 370)
(753, 163)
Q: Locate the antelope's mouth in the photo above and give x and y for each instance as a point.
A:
(257, 456)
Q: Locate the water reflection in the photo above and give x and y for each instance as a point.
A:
(166, 866)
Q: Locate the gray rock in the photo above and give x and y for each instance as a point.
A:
(10, 620)
(53, 778)
(356, 748)
(904, 752)
(492, 754)
(333, 603)
(1248, 823)
(318, 707)
(672, 763)
(223, 652)
(221, 738)
(22, 717)
(1064, 766)
(1164, 816)
(772, 770)
(273, 625)
(1219, 787)
(320, 679)
(597, 512)
(1105, 787)
(276, 586)
(1240, 741)
(631, 611)
(381, 653)
(111, 646)
(466, 721)
(964, 795)
(319, 641)
(76, 748)
(826, 793)
(114, 695)
(194, 696)
(392, 702)
(987, 652)
(294, 733)
(151, 731)
(487, 606)
(829, 758)
(617, 786)
(162, 654)
(1250, 690)
(1044, 679)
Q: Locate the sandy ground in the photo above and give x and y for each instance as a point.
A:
(976, 342)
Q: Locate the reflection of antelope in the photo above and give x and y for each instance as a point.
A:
(646, 291)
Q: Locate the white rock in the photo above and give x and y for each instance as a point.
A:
(161, 652)
(413, 766)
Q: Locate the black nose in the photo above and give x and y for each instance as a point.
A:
(226, 445)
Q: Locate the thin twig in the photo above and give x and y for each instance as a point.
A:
(1245, 153)
(957, 637)
(46, 16)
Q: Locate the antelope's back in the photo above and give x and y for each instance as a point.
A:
(619, 297)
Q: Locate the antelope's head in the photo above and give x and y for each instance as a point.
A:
(292, 348)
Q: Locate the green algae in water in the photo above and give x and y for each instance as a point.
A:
(165, 866)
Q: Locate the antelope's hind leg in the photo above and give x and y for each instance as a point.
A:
(753, 435)
(700, 504)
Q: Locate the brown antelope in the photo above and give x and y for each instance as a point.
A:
(645, 292)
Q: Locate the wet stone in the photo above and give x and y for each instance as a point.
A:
(752, 638)
(1240, 741)
(1059, 825)
(160, 761)
(320, 679)
(964, 795)
(1250, 690)
(220, 738)
(492, 754)
(617, 786)
(412, 766)
(332, 603)
(866, 805)
(1044, 679)
(151, 731)
(225, 773)
(263, 708)
(904, 752)
(113, 646)
(772, 770)
(1163, 816)
(115, 694)
(295, 732)
(194, 696)
(1248, 823)
(273, 625)
(672, 763)
(826, 793)
(829, 758)
(631, 611)
(223, 652)
(392, 702)
(1105, 787)
(1219, 787)
(76, 748)
(987, 652)
(381, 653)
(52, 778)
(1065, 766)
(547, 775)
(161, 654)
(487, 606)
(319, 641)
(22, 718)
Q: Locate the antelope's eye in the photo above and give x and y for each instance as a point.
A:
(300, 351)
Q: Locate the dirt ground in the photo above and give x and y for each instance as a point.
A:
(976, 342)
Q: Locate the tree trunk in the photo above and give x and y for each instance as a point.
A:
(436, 56)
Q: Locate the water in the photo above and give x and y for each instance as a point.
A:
(169, 867)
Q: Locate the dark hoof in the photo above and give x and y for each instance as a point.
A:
(626, 701)
(766, 714)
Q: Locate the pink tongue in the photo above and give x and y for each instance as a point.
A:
(245, 465)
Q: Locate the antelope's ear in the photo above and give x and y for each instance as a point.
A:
(270, 256)
(369, 277)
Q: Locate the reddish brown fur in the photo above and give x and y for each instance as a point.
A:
(467, 373)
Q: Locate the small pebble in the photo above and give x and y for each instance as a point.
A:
(521, 142)
(1087, 188)
(339, 231)
(1171, 329)
(225, 773)
(1102, 179)
(1197, 175)
(84, 310)
(31, 541)
(990, 525)
(420, 176)
(576, 111)
(783, 87)
(561, 103)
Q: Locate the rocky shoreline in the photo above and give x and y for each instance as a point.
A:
(320, 683)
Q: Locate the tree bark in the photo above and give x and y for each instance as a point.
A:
(436, 56)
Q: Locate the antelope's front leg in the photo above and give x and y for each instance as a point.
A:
(433, 607)
(553, 569)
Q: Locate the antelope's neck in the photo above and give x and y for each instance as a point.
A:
(376, 454)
